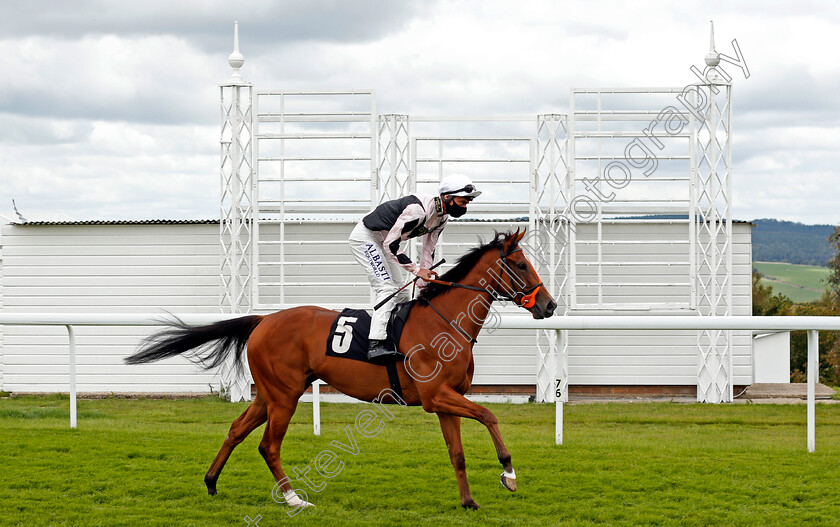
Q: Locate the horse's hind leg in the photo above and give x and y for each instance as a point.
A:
(279, 415)
(254, 416)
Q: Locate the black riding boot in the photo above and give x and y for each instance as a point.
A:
(379, 352)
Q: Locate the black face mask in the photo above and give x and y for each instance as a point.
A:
(455, 210)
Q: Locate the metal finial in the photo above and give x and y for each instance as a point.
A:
(236, 59)
(712, 57)
(712, 36)
(236, 37)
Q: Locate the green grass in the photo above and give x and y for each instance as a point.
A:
(801, 283)
(142, 462)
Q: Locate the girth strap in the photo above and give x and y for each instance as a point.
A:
(394, 379)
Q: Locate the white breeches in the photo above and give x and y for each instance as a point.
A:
(384, 274)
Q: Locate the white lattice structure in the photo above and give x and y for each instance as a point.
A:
(712, 188)
(393, 171)
(237, 210)
(551, 248)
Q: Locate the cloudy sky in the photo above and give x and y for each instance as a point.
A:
(109, 109)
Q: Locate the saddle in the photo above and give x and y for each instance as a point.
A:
(348, 337)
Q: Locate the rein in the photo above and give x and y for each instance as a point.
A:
(461, 331)
(462, 286)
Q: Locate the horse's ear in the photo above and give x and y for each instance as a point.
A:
(512, 239)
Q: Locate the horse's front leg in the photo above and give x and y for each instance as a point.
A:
(451, 427)
(447, 400)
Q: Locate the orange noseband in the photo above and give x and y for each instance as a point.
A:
(528, 301)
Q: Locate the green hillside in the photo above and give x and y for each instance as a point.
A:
(786, 241)
(801, 283)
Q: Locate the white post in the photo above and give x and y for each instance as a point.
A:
(561, 386)
(813, 378)
(72, 368)
(316, 407)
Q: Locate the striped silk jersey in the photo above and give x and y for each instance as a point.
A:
(405, 218)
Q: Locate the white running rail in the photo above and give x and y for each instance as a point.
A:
(603, 322)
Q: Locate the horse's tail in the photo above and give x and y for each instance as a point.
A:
(209, 346)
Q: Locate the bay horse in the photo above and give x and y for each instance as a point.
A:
(287, 352)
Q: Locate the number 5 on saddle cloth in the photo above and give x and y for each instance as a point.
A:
(348, 337)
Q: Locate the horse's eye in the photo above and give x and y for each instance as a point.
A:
(521, 266)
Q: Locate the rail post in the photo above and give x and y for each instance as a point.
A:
(561, 387)
(72, 367)
(813, 378)
(316, 407)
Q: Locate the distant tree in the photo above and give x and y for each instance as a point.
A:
(765, 303)
(829, 348)
(828, 305)
(834, 266)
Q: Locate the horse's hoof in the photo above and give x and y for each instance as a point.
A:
(211, 486)
(297, 503)
(471, 504)
(508, 483)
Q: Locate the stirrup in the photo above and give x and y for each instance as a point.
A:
(380, 353)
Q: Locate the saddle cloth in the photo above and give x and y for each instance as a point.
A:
(348, 336)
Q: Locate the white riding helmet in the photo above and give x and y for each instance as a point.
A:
(458, 185)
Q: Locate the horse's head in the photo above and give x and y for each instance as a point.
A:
(519, 281)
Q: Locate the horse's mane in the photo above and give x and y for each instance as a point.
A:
(463, 266)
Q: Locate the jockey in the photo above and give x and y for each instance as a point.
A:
(375, 242)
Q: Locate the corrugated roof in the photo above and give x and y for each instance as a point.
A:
(216, 222)
(118, 222)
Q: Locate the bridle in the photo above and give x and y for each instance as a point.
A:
(528, 300)
(528, 297)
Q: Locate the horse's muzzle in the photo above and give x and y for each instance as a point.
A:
(546, 312)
